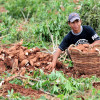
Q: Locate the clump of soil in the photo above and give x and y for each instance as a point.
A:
(96, 85)
(86, 59)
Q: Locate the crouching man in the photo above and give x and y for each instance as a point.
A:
(78, 35)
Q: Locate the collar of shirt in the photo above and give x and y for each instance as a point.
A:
(77, 33)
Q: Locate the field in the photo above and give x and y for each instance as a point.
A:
(30, 32)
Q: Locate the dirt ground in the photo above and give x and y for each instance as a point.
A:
(21, 90)
(33, 94)
(17, 59)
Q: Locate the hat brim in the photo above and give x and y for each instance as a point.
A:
(75, 18)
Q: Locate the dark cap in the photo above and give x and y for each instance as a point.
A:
(73, 16)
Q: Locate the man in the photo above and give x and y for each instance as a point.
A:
(78, 35)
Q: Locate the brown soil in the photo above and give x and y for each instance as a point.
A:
(20, 89)
(25, 92)
(96, 85)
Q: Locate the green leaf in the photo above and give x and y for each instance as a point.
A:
(61, 96)
(52, 76)
(98, 92)
(68, 86)
(46, 83)
(36, 73)
(43, 76)
(93, 91)
(12, 91)
(55, 89)
(8, 92)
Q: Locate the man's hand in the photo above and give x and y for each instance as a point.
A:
(54, 61)
(51, 66)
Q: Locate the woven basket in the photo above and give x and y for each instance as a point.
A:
(85, 63)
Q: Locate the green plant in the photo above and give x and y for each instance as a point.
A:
(89, 14)
(56, 83)
(10, 93)
(21, 8)
(16, 81)
(16, 96)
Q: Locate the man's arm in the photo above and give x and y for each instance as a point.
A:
(95, 42)
(54, 61)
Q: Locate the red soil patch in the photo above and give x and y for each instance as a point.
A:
(96, 85)
(2, 9)
(33, 94)
(21, 90)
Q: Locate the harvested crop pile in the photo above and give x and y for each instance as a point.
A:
(86, 59)
(19, 56)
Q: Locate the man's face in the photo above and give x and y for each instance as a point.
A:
(75, 26)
